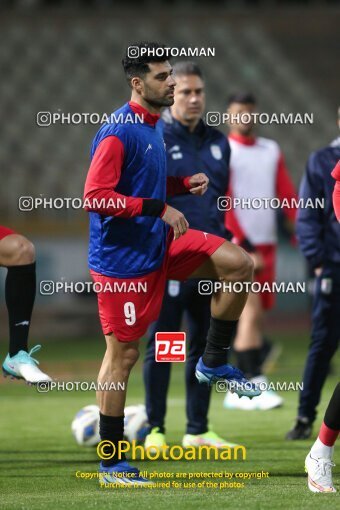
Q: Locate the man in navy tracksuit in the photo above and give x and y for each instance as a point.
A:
(191, 146)
(318, 232)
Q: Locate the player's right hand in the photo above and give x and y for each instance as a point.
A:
(176, 220)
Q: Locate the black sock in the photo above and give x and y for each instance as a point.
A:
(249, 362)
(111, 428)
(220, 336)
(20, 288)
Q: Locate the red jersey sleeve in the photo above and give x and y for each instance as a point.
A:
(285, 189)
(102, 178)
(336, 192)
(336, 172)
(177, 185)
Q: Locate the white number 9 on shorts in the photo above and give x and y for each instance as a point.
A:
(130, 313)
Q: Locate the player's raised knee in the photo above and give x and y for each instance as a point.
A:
(237, 265)
(246, 267)
(25, 251)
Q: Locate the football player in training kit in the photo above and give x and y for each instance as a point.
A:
(318, 232)
(257, 170)
(142, 239)
(336, 191)
(18, 256)
(318, 462)
(189, 144)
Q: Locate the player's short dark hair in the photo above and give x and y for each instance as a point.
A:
(138, 66)
(242, 98)
(187, 68)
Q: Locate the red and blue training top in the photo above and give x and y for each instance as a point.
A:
(126, 187)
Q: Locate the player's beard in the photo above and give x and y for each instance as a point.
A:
(157, 102)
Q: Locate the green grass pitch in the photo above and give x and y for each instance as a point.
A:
(39, 457)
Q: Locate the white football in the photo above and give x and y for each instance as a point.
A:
(85, 426)
(135, 423)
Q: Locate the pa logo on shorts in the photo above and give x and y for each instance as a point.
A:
(170, 346)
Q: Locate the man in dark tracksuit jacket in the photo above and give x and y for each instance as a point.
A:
(318, 232)
(190, 146)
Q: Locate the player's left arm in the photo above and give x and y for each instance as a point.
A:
(285, 190)
(336, 192)
(196, 184)
(310, 223)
